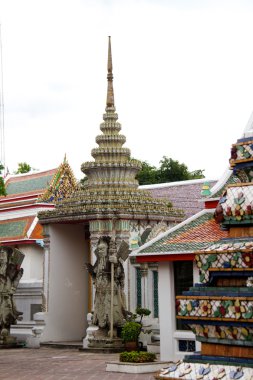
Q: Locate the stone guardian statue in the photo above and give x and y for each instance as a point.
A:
(101, 275)
(10, 275)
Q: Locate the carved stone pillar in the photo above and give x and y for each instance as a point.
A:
(144, 284)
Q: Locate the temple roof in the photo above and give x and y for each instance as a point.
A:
(24, 190)
(26, 195)
(28, 184)
(16, 229)
(193, 234)
(185, 195)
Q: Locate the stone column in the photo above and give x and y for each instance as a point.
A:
(144, 284)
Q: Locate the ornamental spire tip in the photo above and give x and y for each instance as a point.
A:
(110, 92)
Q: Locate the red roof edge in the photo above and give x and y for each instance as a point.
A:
(211, 204)
(161, 258)
(18, 242)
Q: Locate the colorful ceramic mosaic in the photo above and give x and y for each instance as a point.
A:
(236, 205)
(219, 309)
(223, 332)
(13, 229)
(199, 371)
(240, 308)
(241, 152)
(61, 186)
(233, 258)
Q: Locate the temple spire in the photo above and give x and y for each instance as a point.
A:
(110, 94)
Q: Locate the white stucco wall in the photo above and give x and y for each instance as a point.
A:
(33, 262)
(169, 335)
(67, 284)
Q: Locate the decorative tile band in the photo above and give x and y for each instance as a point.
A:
(235, 205)
(223, 260)
(241, 152)
(223, 332)
(240, 308)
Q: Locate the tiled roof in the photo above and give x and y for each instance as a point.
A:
(185, 195)
(30, 183)
(187, 237)
(13, 229)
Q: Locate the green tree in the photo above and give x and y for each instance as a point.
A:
(169, 171)
(197, 174)
(147, 175)
(2, 187)
(23, 167)
(83, 181)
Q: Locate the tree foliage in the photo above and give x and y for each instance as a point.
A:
(147, 174)
(23, 167)
(83, 181)
(169, 171)
(2, 187)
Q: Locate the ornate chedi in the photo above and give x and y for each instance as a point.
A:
(115, 211)
(111, 188)
(219, 310)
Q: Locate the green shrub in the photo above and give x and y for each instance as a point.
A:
(130, 331)
(142, 311)
(137, 357)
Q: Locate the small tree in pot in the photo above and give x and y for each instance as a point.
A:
(130, 334)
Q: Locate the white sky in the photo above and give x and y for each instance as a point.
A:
(183, 78)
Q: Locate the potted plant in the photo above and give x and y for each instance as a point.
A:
(141, 312)
(130, 333)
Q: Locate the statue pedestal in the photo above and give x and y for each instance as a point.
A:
(90, 335)
(106, 343)
(33, 341)
(97, 340)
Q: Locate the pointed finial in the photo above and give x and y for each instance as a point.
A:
(110, 94)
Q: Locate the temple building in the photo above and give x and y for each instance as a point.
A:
(212, 250)
(109, 206)
(57, 225)
(27, 194)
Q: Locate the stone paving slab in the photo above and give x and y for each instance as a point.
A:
(59, 364)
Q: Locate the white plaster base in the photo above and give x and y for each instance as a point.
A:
(32, 342)
(135, 367)
(89, 335)
(153, 347)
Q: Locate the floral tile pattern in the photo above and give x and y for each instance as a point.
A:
(240, 308)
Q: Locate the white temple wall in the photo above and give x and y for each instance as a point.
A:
(169, 335)
(67, 288)
(33, 262)
(28, 296)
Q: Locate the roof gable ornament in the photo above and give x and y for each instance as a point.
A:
(62, 184)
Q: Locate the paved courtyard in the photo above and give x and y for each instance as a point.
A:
(59, 363)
